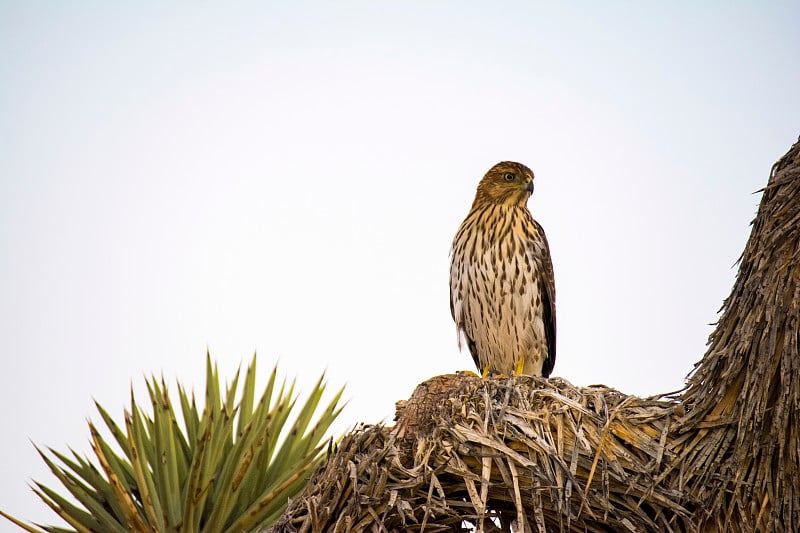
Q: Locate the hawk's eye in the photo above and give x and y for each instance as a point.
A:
(509, 176)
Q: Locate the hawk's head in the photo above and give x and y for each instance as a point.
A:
(506, 183)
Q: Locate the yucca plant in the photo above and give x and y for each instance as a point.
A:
(231, 468)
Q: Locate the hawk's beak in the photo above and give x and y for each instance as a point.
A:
(529, 186)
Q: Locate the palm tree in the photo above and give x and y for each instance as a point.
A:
(530, 454)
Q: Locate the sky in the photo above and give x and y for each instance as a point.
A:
(286, 179)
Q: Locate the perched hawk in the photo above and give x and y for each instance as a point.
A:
(502, 294)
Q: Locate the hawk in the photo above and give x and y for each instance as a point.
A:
(502, 292)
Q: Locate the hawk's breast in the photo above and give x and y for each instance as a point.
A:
(495, 291)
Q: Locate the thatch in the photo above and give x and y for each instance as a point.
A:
(530, 454)
(739, 439)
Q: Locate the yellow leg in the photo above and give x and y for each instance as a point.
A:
(485, 371)
(519, 367)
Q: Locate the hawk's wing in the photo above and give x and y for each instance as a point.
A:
(547, 288)
(473, 350)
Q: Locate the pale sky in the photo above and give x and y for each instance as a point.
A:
(287, 179)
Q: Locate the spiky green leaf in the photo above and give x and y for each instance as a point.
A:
(230, 467)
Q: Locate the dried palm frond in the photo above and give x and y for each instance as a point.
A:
(541, 453)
